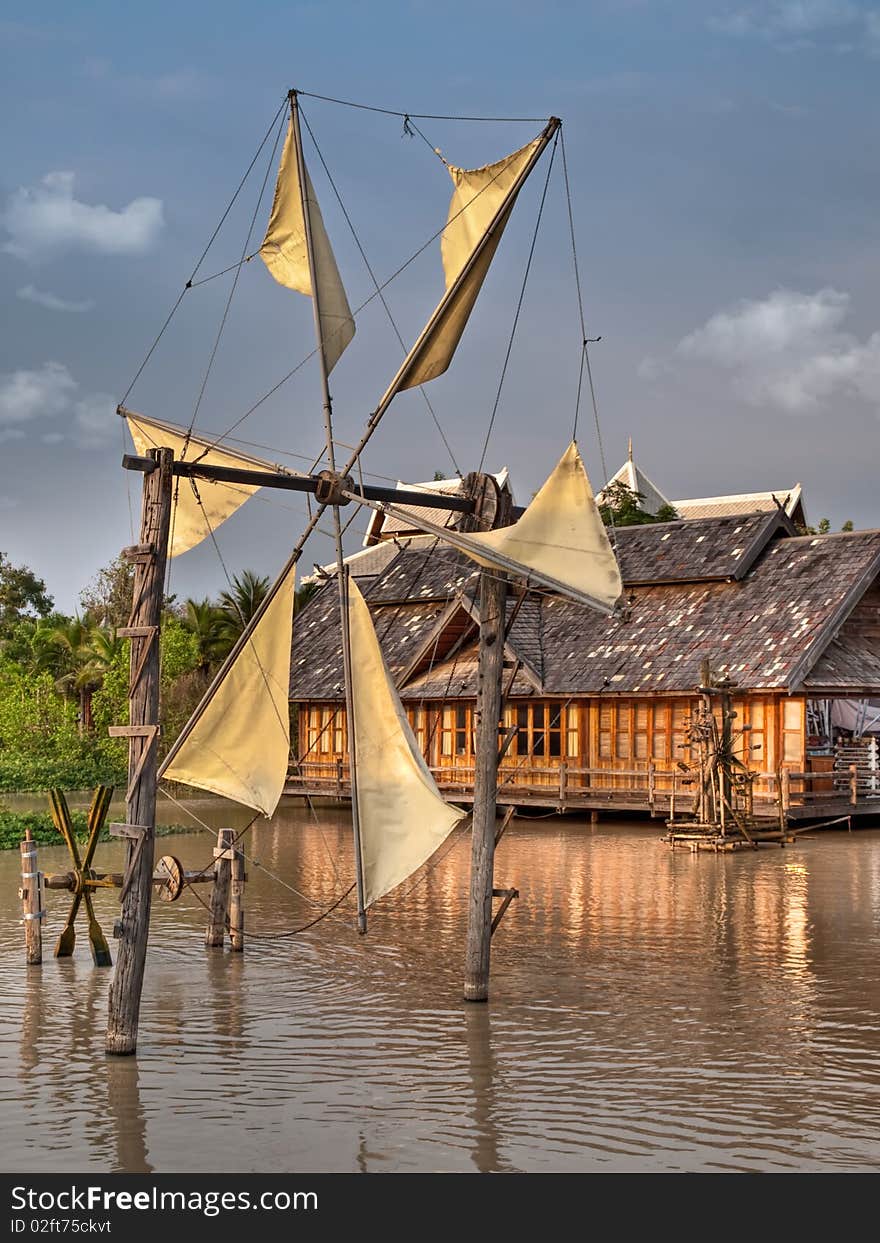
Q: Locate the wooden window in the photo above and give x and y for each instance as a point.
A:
(792, 731)
(641, 718)
(539, 731)
(314, 716)
(461, 730)
(623, 732)
(681, 713)
(554, 731)
(339, 740)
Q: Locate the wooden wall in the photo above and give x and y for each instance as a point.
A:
(618, 735)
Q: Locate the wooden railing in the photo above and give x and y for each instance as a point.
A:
(648, 787)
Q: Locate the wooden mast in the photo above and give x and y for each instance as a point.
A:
(142, 732)
(336, 499)
(493, 606)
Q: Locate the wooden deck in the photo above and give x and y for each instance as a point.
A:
(806, 796)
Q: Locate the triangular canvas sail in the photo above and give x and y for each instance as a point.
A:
(285, 253)
(403, 817)
(239, 746)
(560, 541)
(197, 511)
(481, 196)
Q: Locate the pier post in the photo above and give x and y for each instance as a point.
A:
(236, 902)
(31, 894)
(215, 933)
(133, 928)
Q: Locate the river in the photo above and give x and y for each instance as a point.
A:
(651, 1011)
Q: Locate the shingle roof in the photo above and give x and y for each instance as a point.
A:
(679, 552)
(740, 503)
(766, 629)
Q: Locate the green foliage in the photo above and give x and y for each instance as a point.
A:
(848, 525)
(240, 603)
(108, 597)
(14, 826)
(622, 507)
(22, 595)
(823, 527)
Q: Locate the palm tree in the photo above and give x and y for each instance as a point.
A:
(83, 652)
(208, 623)
(237, 606)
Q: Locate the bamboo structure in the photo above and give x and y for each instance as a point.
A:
(31, 902)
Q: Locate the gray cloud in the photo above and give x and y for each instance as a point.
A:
(51, 301)
(47, 218)
(787, 350)
(52, 391)
(793, 24)
(25, 395)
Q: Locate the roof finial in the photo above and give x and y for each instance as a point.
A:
(629, 452)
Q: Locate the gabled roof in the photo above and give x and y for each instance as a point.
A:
(768, 625)
(699, 550)
(637, 481)
(791, 500)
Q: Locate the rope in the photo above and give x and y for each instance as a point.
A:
(418, 116)
(241, 263)
(376, 286)
(519, 304)
(585, 351)
(189, 283)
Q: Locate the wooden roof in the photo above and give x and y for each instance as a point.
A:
(761, 605)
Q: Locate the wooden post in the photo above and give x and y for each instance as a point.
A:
(853, 784)
(652, 785)
(215, 933)
(134, 922)
(490, 672)
(563, 783)
(31, 894)
(236, 902)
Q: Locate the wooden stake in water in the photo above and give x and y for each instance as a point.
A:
(236, 902)
(31, 894)
(215, 933)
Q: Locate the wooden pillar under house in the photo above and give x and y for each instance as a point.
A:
(132, 929)
(492, 510)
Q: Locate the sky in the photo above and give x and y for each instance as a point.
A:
(725, 189)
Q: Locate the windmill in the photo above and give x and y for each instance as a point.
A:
(193, 483)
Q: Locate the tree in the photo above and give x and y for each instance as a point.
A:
(108, 597)
(208, 624)
(22, 595)
(621, 507)
(240, 603)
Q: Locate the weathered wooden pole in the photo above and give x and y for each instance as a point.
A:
(142, 731)
(31, 894)
(236, 902)
(215, 933)
(490, 671)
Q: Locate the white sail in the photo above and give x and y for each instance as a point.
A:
(482, 201)
(403, 816)
(197, 510)
(285, 253)
(560, 541)
(239, 746)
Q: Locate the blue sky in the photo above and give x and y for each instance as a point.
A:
(726, 189)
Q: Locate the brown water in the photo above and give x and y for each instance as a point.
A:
(650, 1011)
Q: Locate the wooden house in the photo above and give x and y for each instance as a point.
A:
(596, 710)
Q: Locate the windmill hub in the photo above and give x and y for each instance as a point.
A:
(332, 487)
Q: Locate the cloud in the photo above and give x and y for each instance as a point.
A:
(788, 350)
(7, 502)
(48, 218)
(794, 24)
(51, 391)
(26, 395)
(95, 420)
(51, 301)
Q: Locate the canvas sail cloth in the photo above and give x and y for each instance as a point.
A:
(403, 817)
(480, 195)
(239, 746)
(285, 253)
(559, 542)
(195, 516)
